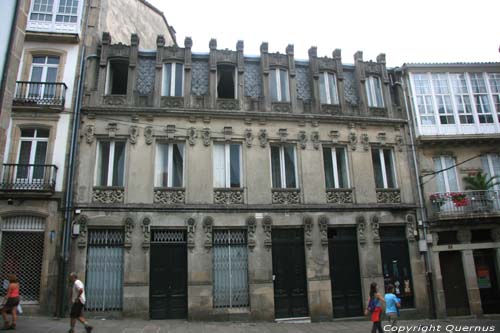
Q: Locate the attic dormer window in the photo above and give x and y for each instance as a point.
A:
(328, 88)
(279, 85)
(374, 92)
(173, 79)
(117, 77)
(226, 81)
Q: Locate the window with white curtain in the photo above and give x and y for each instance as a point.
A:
(384, 168)
(284, 166)
(328, 92)
(462, 98)
(374, 92)
(446, 174)
(443, 98)
(173, 79)
(279, 85)
(227, 165)
(480, 94)
(423, 93)
(491, 166)
(110, 168)
(336, 171)
(169, 165)
(494, 79)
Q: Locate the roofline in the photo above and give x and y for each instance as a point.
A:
(170, 29)
(451, 65)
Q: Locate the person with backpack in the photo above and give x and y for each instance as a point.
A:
(375, 308)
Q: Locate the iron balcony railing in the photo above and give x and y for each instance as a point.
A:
(28, 178)
(450, 204)
(40, 93)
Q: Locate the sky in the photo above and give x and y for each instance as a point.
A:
(406, 31)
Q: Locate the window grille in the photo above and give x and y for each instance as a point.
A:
(104, 281)
(230, 269)
(22, 254)
(169, 236)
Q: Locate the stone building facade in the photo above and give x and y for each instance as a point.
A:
(220, 186)
(455, 112)
(43, 109)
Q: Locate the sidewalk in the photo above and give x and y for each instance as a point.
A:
(49, 325)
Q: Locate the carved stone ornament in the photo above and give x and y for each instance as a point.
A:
(248, 137)
(205, 136)
(208, 223)
(302, 136)
(89, 133)
(192, 135)
(146, 231)
(353, 140)
(251, 227)
(382, 138)
(263, 138)
(399, 142)
(464, 236)
(169, 196)
(334, 135)
(228, 133)
(323, 229)
(115, 100)
(191, 228)
(133, 133)
(170, 129)
(228, 196)
(308, 227)
(495, 234)
(410, 227)
(339, 196)
(388, 196)
(267, 223)
(315, 139)
(283, 134)
(129, 227)
(82, 236)
(285, 196)
(360, 221)
(108, 195)
(148, 134)
(112, 128)
(375, 229)
(365, 141)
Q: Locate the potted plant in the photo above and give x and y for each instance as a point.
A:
(437, 200)
(482, 185)
(459, 199)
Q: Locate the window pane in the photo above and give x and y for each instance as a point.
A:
(440, 184)
(342, 167)
(219, 166)
(234, 152)
(378, 92)
(389, 168)
(275, 167)
(327, 162)
(24, 158)
(103, 163)
(178, 79)
(284, 85)
(162, 165)
(273, 85)
(119, 164)
(333, 89)
(451, 173)
(40, 154)
(369, 91)
(177, 164)
(377, 169)
(322, 89)
(290, 166)
(28, 133)
(42, 133)
(166, 79)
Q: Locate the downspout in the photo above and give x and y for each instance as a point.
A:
(422, 211)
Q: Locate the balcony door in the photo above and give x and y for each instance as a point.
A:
(32, 156)
(43, 73)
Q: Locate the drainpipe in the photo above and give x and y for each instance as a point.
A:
(421, 210)
(68, 199)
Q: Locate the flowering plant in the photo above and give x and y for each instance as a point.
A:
(437, 199)
(459, 199)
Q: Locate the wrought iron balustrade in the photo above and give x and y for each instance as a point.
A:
(28, 177)
(465, 203)
(40, 93)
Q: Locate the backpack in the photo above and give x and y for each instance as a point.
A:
(371, 305)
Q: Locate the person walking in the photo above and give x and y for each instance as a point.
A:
(78, 303)
(375, 308)
(392, 304)
(10, 303)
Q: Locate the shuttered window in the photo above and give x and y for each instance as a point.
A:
(230, 269)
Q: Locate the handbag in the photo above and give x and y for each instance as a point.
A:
(19, 309)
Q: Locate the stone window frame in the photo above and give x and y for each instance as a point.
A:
(172, 79)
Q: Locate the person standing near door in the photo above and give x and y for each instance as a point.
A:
(78, 303)
(11, 302)
(375, 308)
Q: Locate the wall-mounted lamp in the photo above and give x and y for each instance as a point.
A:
(75, 230)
